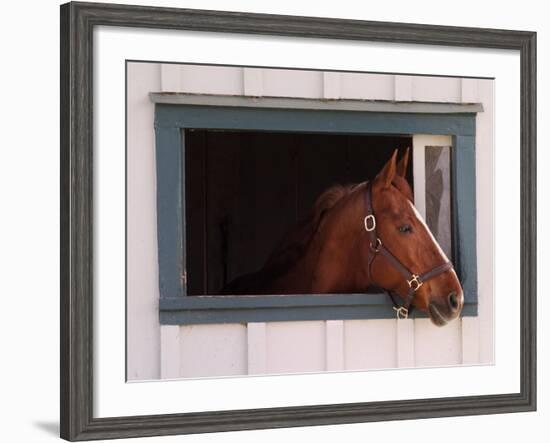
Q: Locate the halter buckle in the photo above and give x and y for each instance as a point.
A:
(402, 312)
(370, 218)
(415, 282)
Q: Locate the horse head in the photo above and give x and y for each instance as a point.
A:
(407, 246)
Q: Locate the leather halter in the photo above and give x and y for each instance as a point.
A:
(376, 247)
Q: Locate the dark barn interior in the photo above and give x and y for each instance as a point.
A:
(245, 189)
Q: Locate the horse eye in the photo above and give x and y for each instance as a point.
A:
(405, 229)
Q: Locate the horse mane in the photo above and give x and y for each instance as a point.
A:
(296, 241)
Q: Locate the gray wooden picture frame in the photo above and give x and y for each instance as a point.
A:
(77, 23)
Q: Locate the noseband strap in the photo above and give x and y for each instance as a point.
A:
(376, 247)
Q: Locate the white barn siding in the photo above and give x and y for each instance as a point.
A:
(143, 335)
(370, 344)
(212, 350)
(334, 348)
(288, 83)
(367, 87)
(295, 346)
(435, 346)
(485, 237)
(156, 351)
(202, 79)
(403, 86)
(436, 89)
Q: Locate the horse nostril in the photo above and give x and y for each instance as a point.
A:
(453, 300)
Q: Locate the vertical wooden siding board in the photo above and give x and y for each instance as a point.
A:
(403, 88)
(295, 346)
(436, 89)
(334, 345)
(331, 85)
(485, 190)
(289, 83)
(199, 79)
(469, 90)
(170, 78)
(406, 350)
(257, 348)
(170, 211)
(470, 340)
(169, 352)
(213, 350)
(370, 344)
(366, 86)
(143, 339)
(253, 82)
(436, 346)
(464, 209)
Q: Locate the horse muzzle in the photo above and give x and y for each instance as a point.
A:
(442, 313)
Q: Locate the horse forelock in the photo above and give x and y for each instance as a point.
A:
(403, 186)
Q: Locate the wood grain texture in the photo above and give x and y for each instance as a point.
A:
(77, 421)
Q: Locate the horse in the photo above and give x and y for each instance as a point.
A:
(361, 236)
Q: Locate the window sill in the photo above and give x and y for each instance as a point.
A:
(269, 308)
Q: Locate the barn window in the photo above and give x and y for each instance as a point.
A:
(233, 174)
(244, 190)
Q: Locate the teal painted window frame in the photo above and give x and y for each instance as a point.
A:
(175, 307)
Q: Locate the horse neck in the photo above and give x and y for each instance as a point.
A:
(325, 264)
(334, 260)
(298, 278)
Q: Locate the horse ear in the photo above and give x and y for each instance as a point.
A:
(403, 163)
(386, 175)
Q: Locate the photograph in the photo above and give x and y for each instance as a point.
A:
(302, 221)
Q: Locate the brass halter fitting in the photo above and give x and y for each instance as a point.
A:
(402, 312)
(415, 282)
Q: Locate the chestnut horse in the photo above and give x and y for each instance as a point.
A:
(359, 236)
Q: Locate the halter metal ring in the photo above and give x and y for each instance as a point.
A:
(415, 282)
(370, 219)
(402, 312)
(377, 246)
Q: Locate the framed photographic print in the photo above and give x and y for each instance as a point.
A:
(268, 220)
